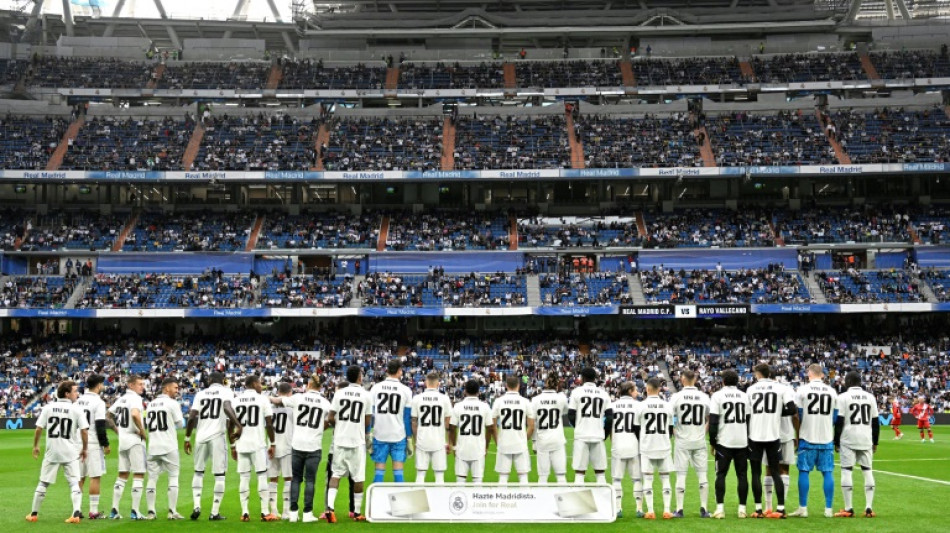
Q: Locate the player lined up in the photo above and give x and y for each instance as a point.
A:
(281, 438)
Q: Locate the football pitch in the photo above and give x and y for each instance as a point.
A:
(912, 478)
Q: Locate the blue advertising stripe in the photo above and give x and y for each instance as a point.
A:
(228, 313)
(778, 309)
(51, 313)
(577, 310)
(382, 312)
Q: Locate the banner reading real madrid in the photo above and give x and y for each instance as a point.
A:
(426, 502)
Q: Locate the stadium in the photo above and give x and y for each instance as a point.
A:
(634, 197)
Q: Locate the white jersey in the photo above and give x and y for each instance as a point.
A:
(858, 409)
(655, 418)
(94, 410)
(122, 411)
(352, 405)
(284, 429)
(691, 407)
(768, 398)
(63, 422)
(511, 412)
(390, 399)
(430, 409)
(163, 419)
(307, 414)
(816, 402)
(472, 417)
(252, 411)
(549, 408)
(786, 431)
(623, 441)
(590, 403)
(212, 422)
(733, 408)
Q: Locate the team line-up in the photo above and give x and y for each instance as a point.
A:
(280, 437)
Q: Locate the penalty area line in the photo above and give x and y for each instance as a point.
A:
(940, 481)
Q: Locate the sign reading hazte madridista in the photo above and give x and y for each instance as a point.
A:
(426, 502)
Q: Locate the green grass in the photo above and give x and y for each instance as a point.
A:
(902, 504)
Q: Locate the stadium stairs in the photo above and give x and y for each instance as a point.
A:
(255, 233)
(124, 234)
(355, 301)
(194, 145)
(78, 292)
(383, 234)
(511, 79)
(665, 372)
(641, 225)
(39, 397)
(323, 137)
(26, 233)
(705, 149)
(577, 147)
(448, 144)
(159, 73)
(869, 69)
(629, 78)
(392, 80)
(747, 71)
(512, 232)
(813, 289)
(840, 153)
(779, 241)
(636, 289)
(56, 160)
(533, 288)
(274, 77)
(926, 291)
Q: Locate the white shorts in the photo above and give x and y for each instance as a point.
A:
(463, 467)
(255, 461)
(169, 463)
(132, 459)
(95, 464)
(786, 454)
(850, 458)
(698, 458)
(555, 460)
(593, 454)
(350, 462)
(625, 466)
(215, 450)
(437, 459)
(281, 467)
(70, 471)
(649, 465)
(503, 462)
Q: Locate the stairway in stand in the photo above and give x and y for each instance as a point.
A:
(448, 144)
(577, 147)
(56, 160)
(194, 145)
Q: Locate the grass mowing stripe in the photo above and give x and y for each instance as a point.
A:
(942, 482)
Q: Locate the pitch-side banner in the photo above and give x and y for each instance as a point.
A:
(425, 502)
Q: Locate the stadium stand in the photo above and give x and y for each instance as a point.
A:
(384, 144)
(569, 74)
(106, 143)
(456, 76)
(797, 68)
(258, 143)
(156, 291)
(212, 75)
(852, 286)
(190, 231)
(447, 230)
(597, 288)
(310, 74)
(385, 289)
(75, 230)
(89, 73)
(901, 64)
(49, 292)
(650, 141)
(705, 228)
(772, 285)
(28, 142)
(596, 232)
(319, 230)
(692, 71)
(783, 138)
(511, 143)
(894, 135)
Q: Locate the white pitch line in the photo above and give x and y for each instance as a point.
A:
(911, 460)
(940, 481)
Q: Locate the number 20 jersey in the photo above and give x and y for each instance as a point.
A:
(589, 402)
(655, 418)
(351, 404)
(511, 412)
(163, 419)
(212, 423)
(472, 417)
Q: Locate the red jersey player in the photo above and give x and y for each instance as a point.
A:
(922, 411)
(896, 418)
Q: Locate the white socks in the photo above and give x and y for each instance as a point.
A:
(218, 494)
(667, 492)
(197, 484)
(680, 489)
(137, 484)
(39, 496)
(117, 490)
